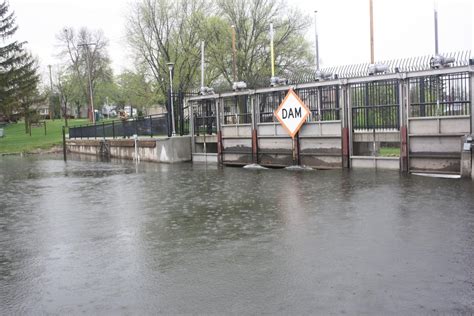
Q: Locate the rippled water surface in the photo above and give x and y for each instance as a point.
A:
(111, 237)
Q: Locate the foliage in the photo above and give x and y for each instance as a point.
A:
(251, 19)
(160, 31)
(18, 70)
(81, 51)
(137, 90)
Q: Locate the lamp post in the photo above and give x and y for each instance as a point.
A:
(170, 67)
(89, 75)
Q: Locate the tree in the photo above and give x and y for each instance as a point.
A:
(162, 31)
(18, 70)
(137, 90)
(252, 19)
(83, 49)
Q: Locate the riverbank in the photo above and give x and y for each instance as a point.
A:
(16, 141)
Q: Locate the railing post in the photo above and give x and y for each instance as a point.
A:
(64, 143)
(95, 131)
(136, 126)
(151, 126)
(113, 129)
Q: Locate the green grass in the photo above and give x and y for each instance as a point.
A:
(389, 152)
(15, 139)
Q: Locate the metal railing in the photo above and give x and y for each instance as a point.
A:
(152, 125)
(231, 119)
(384, 117)
(205, 125)
(442, 95)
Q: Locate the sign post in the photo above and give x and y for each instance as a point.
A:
(292, 113)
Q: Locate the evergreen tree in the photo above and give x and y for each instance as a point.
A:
(18, 69)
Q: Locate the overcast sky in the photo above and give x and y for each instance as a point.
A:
(403, 28)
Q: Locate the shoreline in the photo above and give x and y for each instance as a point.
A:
(55, 149)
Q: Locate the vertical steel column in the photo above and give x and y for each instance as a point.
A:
(191, 127)
(471, 92)
(64, 144)
(350, 129)
(219, 130)
(403, 101)
(255, 119)
(343, 105)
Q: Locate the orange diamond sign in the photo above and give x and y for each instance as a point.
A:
(292, 113)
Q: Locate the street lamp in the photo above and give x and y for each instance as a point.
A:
(170, 67)
(90, 81)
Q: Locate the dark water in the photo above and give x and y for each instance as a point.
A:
(92, 237)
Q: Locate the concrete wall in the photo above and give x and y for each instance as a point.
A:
(166, 150)
(435, 143)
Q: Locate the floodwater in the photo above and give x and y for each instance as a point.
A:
(111, 237)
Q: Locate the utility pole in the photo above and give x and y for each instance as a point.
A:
(89, 75)
(316, 58)
(371, 8)
(51, 108)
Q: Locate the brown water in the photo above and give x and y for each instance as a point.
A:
(95, 237)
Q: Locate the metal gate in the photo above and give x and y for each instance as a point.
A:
(375, 120)
(439, 115)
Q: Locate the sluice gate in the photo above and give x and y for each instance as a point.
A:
(410, 120)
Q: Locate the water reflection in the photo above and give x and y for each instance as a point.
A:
(119, 237)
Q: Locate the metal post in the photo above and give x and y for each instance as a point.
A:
(151, 127)
(202, 64)
(436, 26)
(371, 8)
(316, 58)
(113, 129)
(170, 67)
(272, 61)
(234, 54)
(64, 143)
(472, 100)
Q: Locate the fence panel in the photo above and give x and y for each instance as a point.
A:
(204, 117)
(153, 125)
(375, 105)
(440, 95)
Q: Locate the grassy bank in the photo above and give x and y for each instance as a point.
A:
(15, 139)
